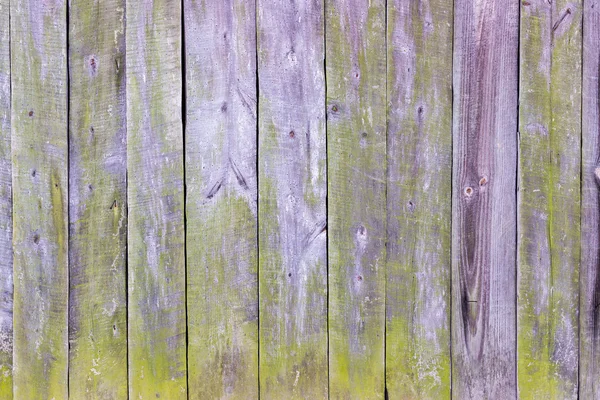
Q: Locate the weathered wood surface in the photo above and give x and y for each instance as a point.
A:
(220, 146)
(6, 257)
(589, 345)
(484, 199)
(356, 159)
(156, 239)
(549, 199)
(40, 187)
(97, 201)
(419, 159)
(292, 200)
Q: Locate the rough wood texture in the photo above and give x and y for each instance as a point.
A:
(549, 199)
(156, 259)
(484, 199)
(6, 256)
(39, 159)
(221, 204)
(589, 345)
(97, 201)
(356, 158)
(292, 200)
(419, 60)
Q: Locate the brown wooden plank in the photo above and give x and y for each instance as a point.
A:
(356, 158)
(589, 345)
(156, 237)
(484, 199)
(419, 199)
(549, 199)
(292, 200)
(220, 146)
(38, 34)
(6, 255)
(97, 201)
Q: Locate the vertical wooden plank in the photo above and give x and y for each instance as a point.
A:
(292, 200)
(484, 199)
(549, 199)
(220, 146)
(356, 158)
(589, 345)
(39, 157)
(97, 201)
(156, 259)
(6, 255)
(419, 199)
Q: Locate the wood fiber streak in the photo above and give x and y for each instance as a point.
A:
(419, 199)
(484, 199)
(156, 254)
(356, 158)
(292, 200)
(589, 345)
(222, 256)
(6, 254)
(40, 187)
(97, 201)
(549, 199)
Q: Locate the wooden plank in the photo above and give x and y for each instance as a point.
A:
(419, 199)
(39, 159)
(97, 201)
(589, 345)
(6, 255)
(484, 199)
(549, 199)
(155, 197)
(292, 200)
(356, 158)
(222, 297)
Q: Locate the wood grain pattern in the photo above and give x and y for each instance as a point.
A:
(549, 199)
(6, 255)
(97, 201)
(292, 200)
(356, 158)
(220, 146)
(419, 159)
(156, 237)
(484, 199)
(589, 334)
(40, 186)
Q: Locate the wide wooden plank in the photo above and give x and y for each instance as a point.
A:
(220, 163)
(292, 200)
(40, 202)
(97, 201)
(419, 54)
(589, 345)
(356, 159)
(484, 199)
(156, 253)
(6, 255)
(549, 199)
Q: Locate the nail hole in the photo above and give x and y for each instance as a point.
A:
(31, 113)
(359, 278)
(36, 238)
(292, 134)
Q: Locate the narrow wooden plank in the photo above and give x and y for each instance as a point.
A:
(97, 201)
(155, 197)
(220, 146)
(484, 199)
(549, 199)
(6, 255)
(356, 159)
(419, 160)
(292, 200)
(589, 345)
(40, 183)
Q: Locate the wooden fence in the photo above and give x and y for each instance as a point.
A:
(345, 199)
